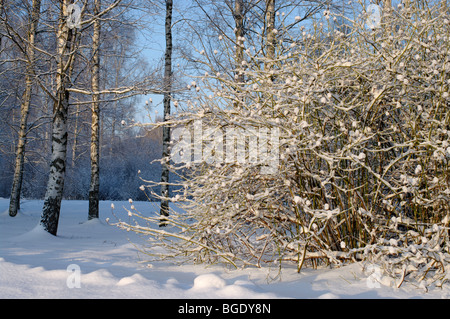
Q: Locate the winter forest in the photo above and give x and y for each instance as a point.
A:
(289, 133)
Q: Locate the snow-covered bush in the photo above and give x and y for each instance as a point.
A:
(362, 125)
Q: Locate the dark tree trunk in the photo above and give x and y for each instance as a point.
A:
(95, 142)
(166, 129)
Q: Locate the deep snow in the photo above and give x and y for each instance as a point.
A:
(34, 264)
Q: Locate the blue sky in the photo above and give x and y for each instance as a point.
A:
(153, 46)
(153, 51)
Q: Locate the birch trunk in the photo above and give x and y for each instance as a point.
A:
(14, 203)
(239, 33)
(95, 142)
(75, 138)
(166, 129)
(270, 33)
(55, 186)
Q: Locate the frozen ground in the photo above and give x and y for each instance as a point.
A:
(34, 264)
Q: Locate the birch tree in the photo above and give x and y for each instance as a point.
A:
(270, 29)
(95, 136)
(28, 47)
(239, 34)
(65, 59)
(56, 180)
(166, 101)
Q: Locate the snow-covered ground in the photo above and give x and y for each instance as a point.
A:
(91, 259)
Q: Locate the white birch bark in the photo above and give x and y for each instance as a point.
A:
(95, 145)
(239, 33)
(14, 204)
(270, 31)
(55, 186)
(166, 129)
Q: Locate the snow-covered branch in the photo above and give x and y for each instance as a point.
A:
(362, 128)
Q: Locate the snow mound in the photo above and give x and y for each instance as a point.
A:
(208, 281)
(214, 286)
(101, 277)
(38, 233)
(136, 278)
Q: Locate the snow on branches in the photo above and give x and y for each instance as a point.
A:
(362, 171)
